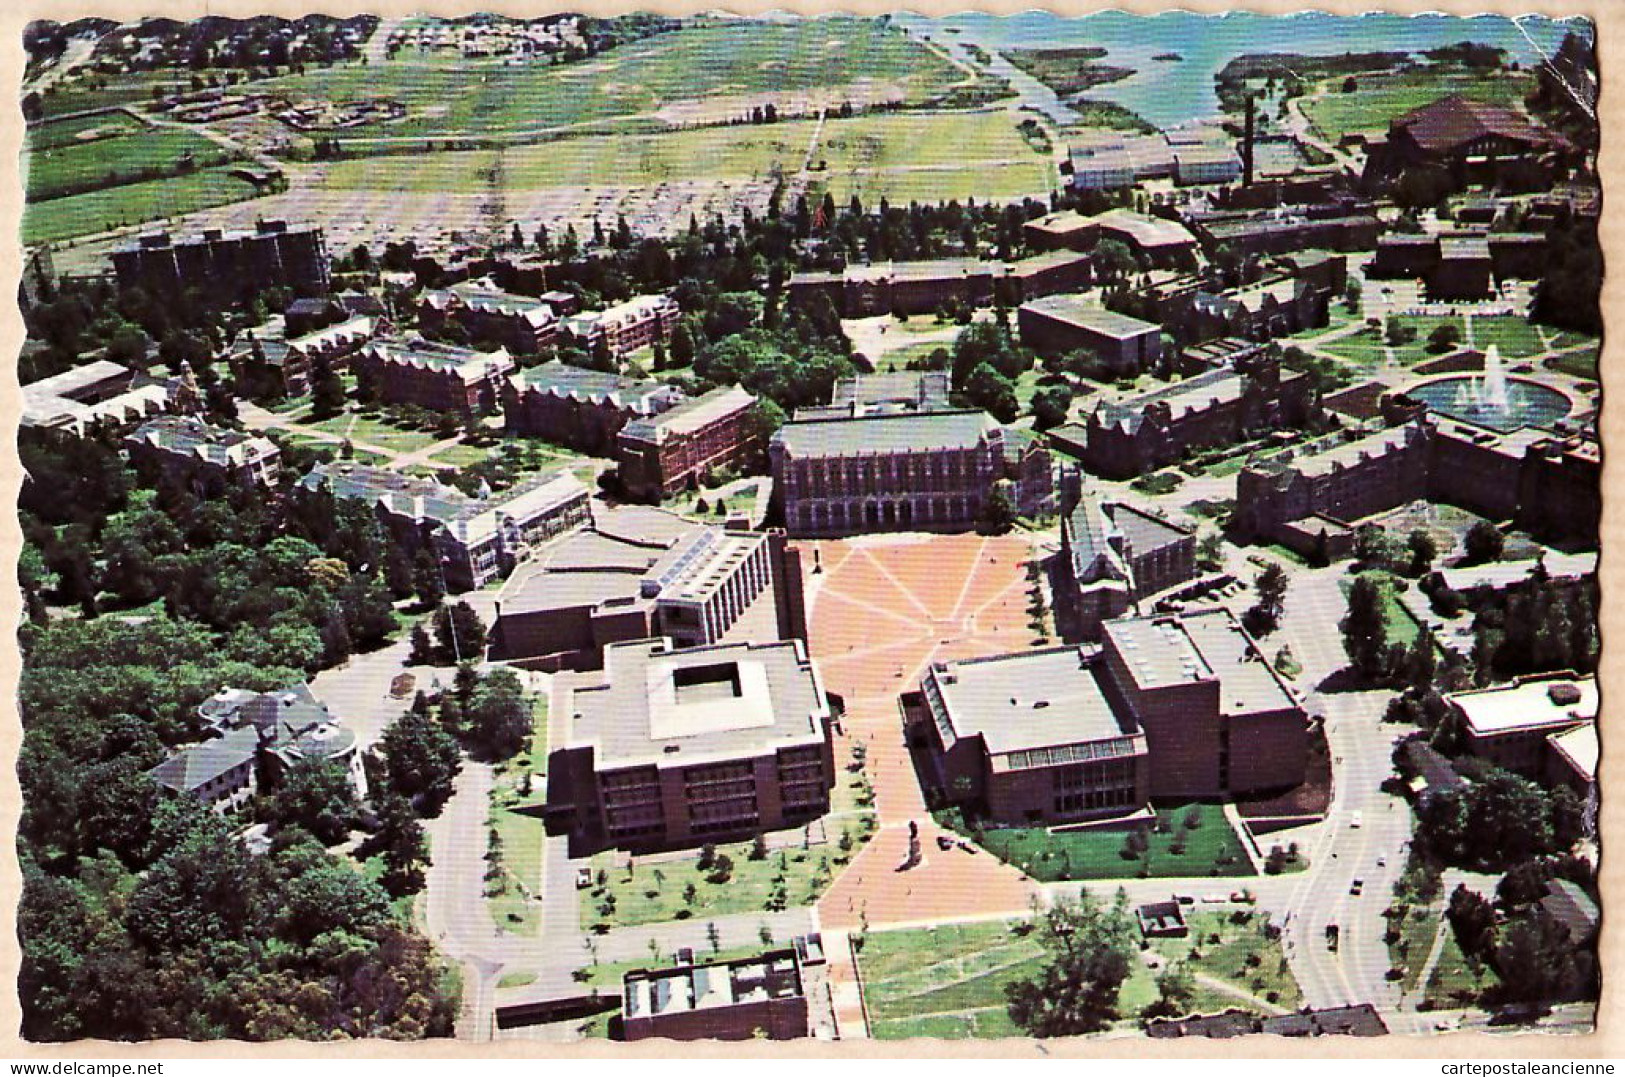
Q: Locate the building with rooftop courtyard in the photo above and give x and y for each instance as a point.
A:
(668, 747)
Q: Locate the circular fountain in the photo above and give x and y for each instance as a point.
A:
(1492, 399)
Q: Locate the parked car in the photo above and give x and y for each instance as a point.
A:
(583, 878)
(1359, 885)
(1331, 937)
(1356, 821)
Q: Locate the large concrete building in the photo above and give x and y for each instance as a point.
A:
(102, 394)
(1522, 726)
(762, 997)
(638, 572)
(475, 540)
(907, 471)
(440, 377)
(582, 409)
(226, 266)
(672, 451)
(1065, 323)
(1168, 707)
(668, 747)
(208, 459)
(1160, 242)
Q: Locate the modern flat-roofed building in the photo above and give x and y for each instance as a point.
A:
(484, 312)
(440, 377)
(579, 408)
(1513, 725)
(1064, 323)
(226, 265)
(103, 393)
(628, 326)
(1202, 163)
(889, 393)
(207, 458)
(672, 451)
(636, 572)
(474, 539)
(670, 748)
(747, 998)
(924, 471)
(1218, 720)
(1034, 736)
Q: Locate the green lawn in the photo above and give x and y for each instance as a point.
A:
(1513, 336)
(1402, 627)
(1235, 948)
(78, 94)
(1366, 349)
(1578, 364)
(1384, 97)
(946, 982)
(463, 455)
(1211, 849)
(1412, 943)
(649, 893)
(375, 431)
(1456, 981)
(515, 905)
(130, 204)
(701, 63)
(53, 134)
(112, 162)
(850, 157)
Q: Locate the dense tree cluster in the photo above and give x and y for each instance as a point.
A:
(1498, 820)
(1088, 947)
(1534, 955)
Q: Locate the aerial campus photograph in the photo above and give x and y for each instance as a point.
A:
(784, 527)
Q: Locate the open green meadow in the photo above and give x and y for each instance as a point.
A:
(708, 64)
(1381, 98)
(111, 162)
(131, 203)
(79, 130)
(1209, 849)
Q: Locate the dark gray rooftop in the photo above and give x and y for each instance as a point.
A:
(887, 433)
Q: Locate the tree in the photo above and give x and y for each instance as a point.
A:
(1444, 337)
(317, 795)
(998, 513)
(327, 390)
(1423, 550)
(401, 842)
(1271, 585)
(422, 648)
(459, 633)
(993, 392)
(420, 757)
(1050, 406)
(1087, 949)
(499, 714)
(1176, 988)
(1484, 543)
(1365, 628)
(1535, 958)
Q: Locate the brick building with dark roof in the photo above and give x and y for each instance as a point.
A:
(663, 454)
(1473, 140)
(1112, 556)
(578, 408)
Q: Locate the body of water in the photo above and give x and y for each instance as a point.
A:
(1168, 93)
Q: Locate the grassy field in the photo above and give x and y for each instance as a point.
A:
(1409, 946)
(1578, 364)
(374, 431)
(1366, 348)
(1381, 98)
(1513, 336)
(79, 95)
(1210, 849)
(1402, 627)
(111, 162)
(1455, 981)
(649, 893)
(1236, 949)
(132, 203)
(515, 906)
(850, 157)
(78, 131)
(711, 62)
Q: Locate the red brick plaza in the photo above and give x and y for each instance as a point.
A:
(881, 609)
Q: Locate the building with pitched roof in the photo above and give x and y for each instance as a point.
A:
(625, 327)
(207, 458)
(1476, 142)
(905, 471)
(475, 540)
(582, 409)
(672, 451)
(1112, 556)
(670, 748)
(517, 323)
(1567, 903)
(440, 377)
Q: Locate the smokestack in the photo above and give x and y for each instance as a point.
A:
(1247, 144)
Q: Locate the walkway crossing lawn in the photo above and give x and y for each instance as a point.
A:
(1235, 948)
(463, 455)
(359, 455)
(1367, 348)
(1210, 849)
(372, 431)
(130, 204)
(522, 832)
(657, 891)
(1578, 364)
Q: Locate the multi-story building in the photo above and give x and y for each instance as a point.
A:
(1277, 307)
(1033, 737)
(901, 287)
(484, 312)
(1129, 434)
(1113, 556)
(888, 393)
(1065, 323)
(226, 266)
(104, 394)
(475, 540)
(1159, 241)
(440, 377)
(927, 471)
(672, 451)
(760, 997)
(1167, 707)
(579, 408)
(254, 739)
(307, 315)
(639, 572)
(207, 458)
(1514, 726)
(626, 327)
(1329, 227)
(1462, 264)
(1474, 141)
(669, 747)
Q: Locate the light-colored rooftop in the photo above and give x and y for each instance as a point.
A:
(1089, 314)
(1580, 747)
(691, 415)
(1532, 703)
(1205, 645)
